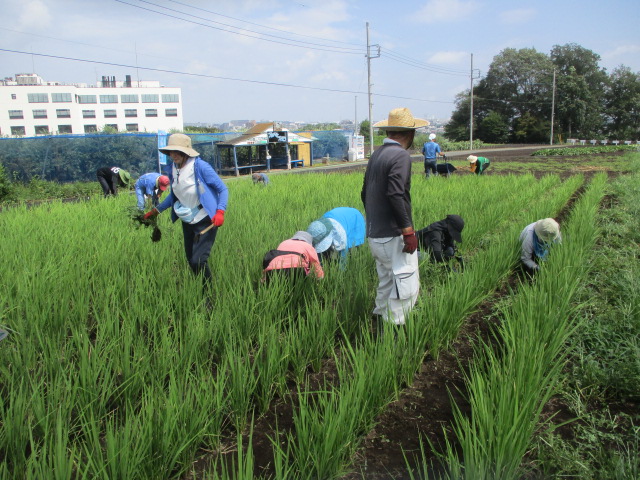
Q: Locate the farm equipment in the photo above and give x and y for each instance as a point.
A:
(444, 168)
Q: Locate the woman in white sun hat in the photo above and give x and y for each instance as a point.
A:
(537, 239)
(478, 165)
(198, 198)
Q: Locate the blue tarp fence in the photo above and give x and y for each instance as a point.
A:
(71, 158)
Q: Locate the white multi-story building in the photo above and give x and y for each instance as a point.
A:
(30, 106)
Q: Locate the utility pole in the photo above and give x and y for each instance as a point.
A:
(355, 118)
(553, 105)
(471, 110)
(369, 57)
(471, 105)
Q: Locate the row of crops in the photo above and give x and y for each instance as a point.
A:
(116, 369)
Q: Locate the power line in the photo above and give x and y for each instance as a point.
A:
(265, 26)
(257, 36)
(202, 75)
(421, 65)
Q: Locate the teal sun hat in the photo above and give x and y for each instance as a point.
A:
(321, 231)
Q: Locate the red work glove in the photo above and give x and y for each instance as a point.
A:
(151, 213)
(218, 218)
(410, 241)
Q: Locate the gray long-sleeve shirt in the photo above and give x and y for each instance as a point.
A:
(527, 253)
(386, 191)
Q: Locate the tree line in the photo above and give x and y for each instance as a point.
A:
(514, 102)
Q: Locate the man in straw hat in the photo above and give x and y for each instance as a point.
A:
(198, 197)
(537, 239)
(389, 223)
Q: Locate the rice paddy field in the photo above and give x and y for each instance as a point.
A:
(115, 367)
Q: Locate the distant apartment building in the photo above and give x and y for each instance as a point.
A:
(30, 106)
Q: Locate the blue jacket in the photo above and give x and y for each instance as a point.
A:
(353, 223)
(147, 183)
(212, 191)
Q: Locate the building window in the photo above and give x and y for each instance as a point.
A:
(170, 98)
(18, 131)
(131, 112)
(90, 128)
(110, 114)
(38, 97)
(61, 97)
(63, 113)
(132, 127)
(129, 98)
(88, 114)
(171, 112)
(87, 99)
(42, 129)
(64, 129)
(150, 98)
(13, 96)
(108, 98)
(113, 126)
(15, 114)
(39, 114)
(151, 112)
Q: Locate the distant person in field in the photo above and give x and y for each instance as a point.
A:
(199, 199)
(478, 165)
(438, 240)
(537, 239)
(149, 187)
(431, 150)
(110, 178)
(337, 231)
(294, 258)
(389, 224)
(260, 178)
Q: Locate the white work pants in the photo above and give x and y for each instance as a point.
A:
(398, 276)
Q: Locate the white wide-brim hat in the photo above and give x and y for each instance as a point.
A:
(547, 230)
(179, 142)
(401, 119)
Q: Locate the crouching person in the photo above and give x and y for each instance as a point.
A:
(294, 258)
(537, 239)
(438, 240)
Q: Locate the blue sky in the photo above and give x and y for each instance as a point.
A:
(302, 60)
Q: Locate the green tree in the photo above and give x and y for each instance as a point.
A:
(622, 101)
(581, 84)
(493, 128)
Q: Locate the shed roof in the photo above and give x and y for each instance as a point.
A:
(257, 135)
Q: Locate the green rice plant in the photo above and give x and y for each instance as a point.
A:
(508, 387)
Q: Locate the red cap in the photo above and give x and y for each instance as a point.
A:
(163, 182)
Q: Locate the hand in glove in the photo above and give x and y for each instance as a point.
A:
(218, 218)
(151, 213)
(410, 241)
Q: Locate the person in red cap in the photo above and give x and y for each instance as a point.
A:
(150, 187)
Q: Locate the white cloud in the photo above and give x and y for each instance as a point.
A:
(520, 15)
(35, 14)
(446, 10)
(622, 51)
(448, 57)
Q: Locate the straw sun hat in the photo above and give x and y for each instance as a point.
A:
(179, 142)
(401, 119)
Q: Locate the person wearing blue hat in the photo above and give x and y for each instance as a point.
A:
(337, 231)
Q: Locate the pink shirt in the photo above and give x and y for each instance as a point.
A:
(312, 261)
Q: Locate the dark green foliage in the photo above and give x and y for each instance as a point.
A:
(6, 189)
(138, 218)
(575, 151)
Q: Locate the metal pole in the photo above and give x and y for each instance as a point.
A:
(471, 111)
(369, 93)
(553, 105)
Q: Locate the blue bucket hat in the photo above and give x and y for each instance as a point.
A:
(321, 231)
